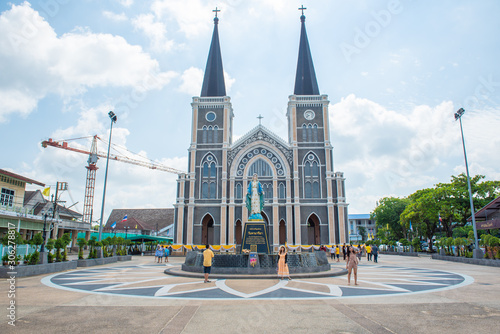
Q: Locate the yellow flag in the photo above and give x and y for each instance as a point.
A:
(46, 192)
(136, 226)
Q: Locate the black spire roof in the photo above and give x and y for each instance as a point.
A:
(305, 78)
(213, 82)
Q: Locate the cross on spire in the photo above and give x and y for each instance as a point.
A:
(260, 117)
(302, 8)
(216, 11)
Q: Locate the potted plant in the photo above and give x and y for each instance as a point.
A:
(5, 259)
(81, 243)
(50, 246)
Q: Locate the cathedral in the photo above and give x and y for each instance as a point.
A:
(305, 201)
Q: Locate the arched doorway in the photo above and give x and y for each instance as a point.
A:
(313, 233)
(238, 232)
(282, 232)
(207, 230)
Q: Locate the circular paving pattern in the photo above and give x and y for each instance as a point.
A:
(149, 281)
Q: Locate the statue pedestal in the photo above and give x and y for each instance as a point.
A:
(255, 237)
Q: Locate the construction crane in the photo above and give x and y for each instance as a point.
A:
(94, 155)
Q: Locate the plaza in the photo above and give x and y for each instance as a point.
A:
(397, 295)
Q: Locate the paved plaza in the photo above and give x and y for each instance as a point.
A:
(397, 295)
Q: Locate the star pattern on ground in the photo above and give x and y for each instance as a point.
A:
(150, 281)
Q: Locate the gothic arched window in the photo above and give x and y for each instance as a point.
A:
(204, 136)
(239, 191)
(210, 138)
(281, 190)
(311, 170)
(315, 132)
(261, 168)
(216, 134)
(208, 177)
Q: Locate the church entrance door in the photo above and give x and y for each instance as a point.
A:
(238, 232)
(313, 234)
(207, 231)
(282, 233)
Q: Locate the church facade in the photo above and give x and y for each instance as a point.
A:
(305, 200)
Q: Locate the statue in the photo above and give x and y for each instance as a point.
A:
(255, 199)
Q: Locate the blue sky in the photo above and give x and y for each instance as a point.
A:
(395, 73)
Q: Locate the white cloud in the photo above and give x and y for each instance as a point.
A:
(385, 152)
(126, 3)
(192, 79)
(35, 62)
(115, 17)
(191, 16)
(155, 30)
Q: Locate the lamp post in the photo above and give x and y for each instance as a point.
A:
(477, 251)
(126, 230)
(113, 118)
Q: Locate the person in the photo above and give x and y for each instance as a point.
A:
(375, 253)
(368, 252)
(255, 199)
(332, 252)
(167, 253)
(352, 264)
(282, 263)
(344, 251)
(208, 255)
(159, 254)
(360, 252)
(337, 251)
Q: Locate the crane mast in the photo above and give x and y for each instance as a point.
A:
(88, 203)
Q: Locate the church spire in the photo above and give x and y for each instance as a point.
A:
(213, 82)
(305, 78)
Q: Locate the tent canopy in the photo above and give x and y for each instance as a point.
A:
(145, 238)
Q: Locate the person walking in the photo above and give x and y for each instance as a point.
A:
(208, 255)
(159, 254)
(167, 253)
(352, 264)
(282, 263)
(332, 252)
(337, 252)
(344, 251)
(368, 252)
(375, 253)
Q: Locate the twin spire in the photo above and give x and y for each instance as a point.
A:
(305, 77)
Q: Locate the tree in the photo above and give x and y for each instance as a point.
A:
(454, 199)
(423, 211)
(387, 215)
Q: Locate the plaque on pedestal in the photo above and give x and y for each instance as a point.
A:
(255, 237)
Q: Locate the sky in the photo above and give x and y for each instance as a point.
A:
(395, 72)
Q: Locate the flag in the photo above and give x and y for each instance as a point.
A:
(124, 218)
(46, 192)
(113, 225)
(136, 226)
(440, 219)
(411, 227)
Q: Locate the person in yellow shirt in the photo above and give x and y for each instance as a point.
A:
(208, 255)
(337, 251)
(368, 252)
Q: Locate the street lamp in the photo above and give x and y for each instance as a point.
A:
(113, 118)
(44, 234)
(126, 230)
(477, 252)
